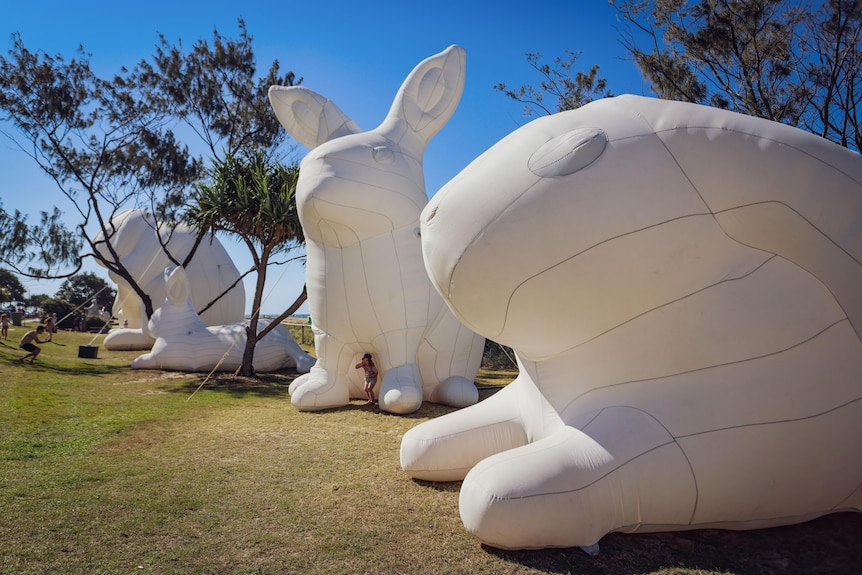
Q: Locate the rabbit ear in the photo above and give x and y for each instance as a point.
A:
(176, 285)
(308, 116)
(429, 96)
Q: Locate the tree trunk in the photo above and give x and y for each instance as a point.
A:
(246, 369)
(286, 313)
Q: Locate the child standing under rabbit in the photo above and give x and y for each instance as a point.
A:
(370, 376)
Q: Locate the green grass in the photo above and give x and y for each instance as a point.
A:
(107, 470)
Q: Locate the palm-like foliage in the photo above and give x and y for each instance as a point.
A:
(253, 198)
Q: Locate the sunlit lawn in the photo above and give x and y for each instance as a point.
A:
(108, 470)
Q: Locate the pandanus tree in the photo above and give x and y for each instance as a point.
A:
(252, 197)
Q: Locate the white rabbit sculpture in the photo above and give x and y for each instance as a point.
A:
(682, 287)
(185, 343)
(135, 240)
(359, 197)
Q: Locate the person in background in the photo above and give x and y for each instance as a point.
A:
(50, 326)
(4, 325)
(27, 343)
(370, 376)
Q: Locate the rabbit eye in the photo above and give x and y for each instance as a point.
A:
(568, 153)
(383, 155)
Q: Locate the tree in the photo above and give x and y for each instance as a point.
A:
(97, 139)
(48, 243)
(558, 84)
(36, 302)
(214, 92)
(109, 144)
(835, 72)
(66, 316)
(11, 289)
(774, 59)
(731, 54)
(252, 197)
(82, 288)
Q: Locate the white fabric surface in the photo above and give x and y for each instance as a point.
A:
(682, 287)
(184, 342)
(359, 197)
(210, 272)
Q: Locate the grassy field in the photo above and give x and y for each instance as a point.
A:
(105, 470)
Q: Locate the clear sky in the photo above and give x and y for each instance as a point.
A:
(355, 53)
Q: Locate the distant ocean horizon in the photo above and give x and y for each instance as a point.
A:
(272, 315)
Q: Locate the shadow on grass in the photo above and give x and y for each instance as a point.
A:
(828, 545)
(430, 410)
(349, 407)
(47, 365)
(442, 486)
(276, 385)
(263, 385)
(427, 410)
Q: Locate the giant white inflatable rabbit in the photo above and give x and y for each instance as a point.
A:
(359, 197)
(185, 342)
(136, 243)
(683, 289)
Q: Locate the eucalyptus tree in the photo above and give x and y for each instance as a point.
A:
(564, 90)
(790, 61)
(11, 289)
(731, 54)
(798, 62)
(214, 90)
(99, 142)
(113, 144)
(834, 68)
(252, 197)
(82, 288)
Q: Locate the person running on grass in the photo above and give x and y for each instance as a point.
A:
(28, 345)
(370, 376)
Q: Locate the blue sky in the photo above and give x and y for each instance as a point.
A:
(355, 53)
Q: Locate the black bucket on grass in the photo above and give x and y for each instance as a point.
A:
(89, 351)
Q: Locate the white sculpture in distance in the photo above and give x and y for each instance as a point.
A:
(96, 312)
(359, 197)
(137, 245)
(184, 342)
(682, 287)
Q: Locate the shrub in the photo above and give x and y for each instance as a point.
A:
(498, 357)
